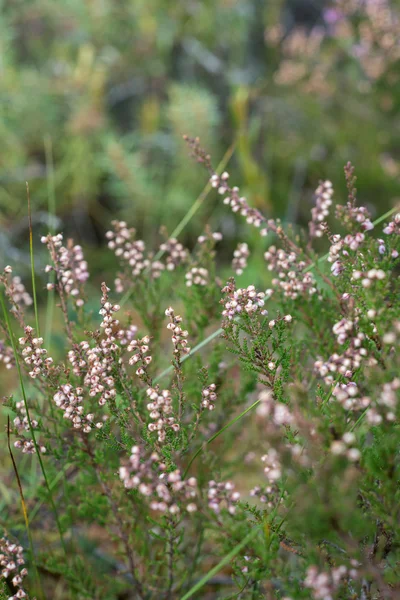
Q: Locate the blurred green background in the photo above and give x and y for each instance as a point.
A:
(96, 94)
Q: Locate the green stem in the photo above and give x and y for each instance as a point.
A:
(32, 431)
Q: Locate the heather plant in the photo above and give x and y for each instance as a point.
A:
(204, 437)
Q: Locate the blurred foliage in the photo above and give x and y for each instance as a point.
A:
(115, 83)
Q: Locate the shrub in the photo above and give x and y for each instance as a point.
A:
(248, 447)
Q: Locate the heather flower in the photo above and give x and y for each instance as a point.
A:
(69, 265)
(197, 276)
(247, 300)
(394, 226)
(272, 468)
(222, 495)
(70, 400)
(6, 355)
(100, 358)
(345, 447)
(179, 335)
(34, 355)
(323, 585)
(132, 255)
(127, 335)
(16, 294)
(12, 567)
(209, 397)
(320, 212)
(291, 278)
(215, 236)
(164, 492)
(176, 253)
(141, 358)
(160, 411)
(240, 256)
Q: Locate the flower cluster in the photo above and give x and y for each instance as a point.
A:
(357, 214)
(6, 355)
(277, 412)
(385, 404)
(78, 358)
(323, 585)
(345, 447)
(34, 355)
(214, 236)
(125, 336)
(100, 358)
(272, 468)
(346, 363)
(240, 300)
(70, 400)
(320, 212)
(141, 358)
(240, 256)
(160, 409)
(176, 253)
(382, 247)
(235, 201)
(209, 396)
(16, 293)
(347, 394)
(12, 567)
(369, 277)
(131, 252)
(70, 266)
(197, 276)
(21, 424)
(292, 279)
(164, 491)
(222, 495)
(179, 335)
(19, 293)
(394, 226)
(392, 336)
(270, 494)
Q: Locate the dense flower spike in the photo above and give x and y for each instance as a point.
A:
(197, 276)
(6, 355)
(393, 227)
(34, 355)
(21, 425)
(345, 364)
(12, 567)
(209, 396)
(70, 400)
(323, 585)
(131, 253)
(176, 253)
(277, 412)
(222, 495)
(320, 212)
(101, 359)
(240, 256)
(179, 335)
(273, 467)
(160, 409)
(165, 492)
(291, 280)
(141, 357)
(70, 266)
(16, 294)
(246, 300)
